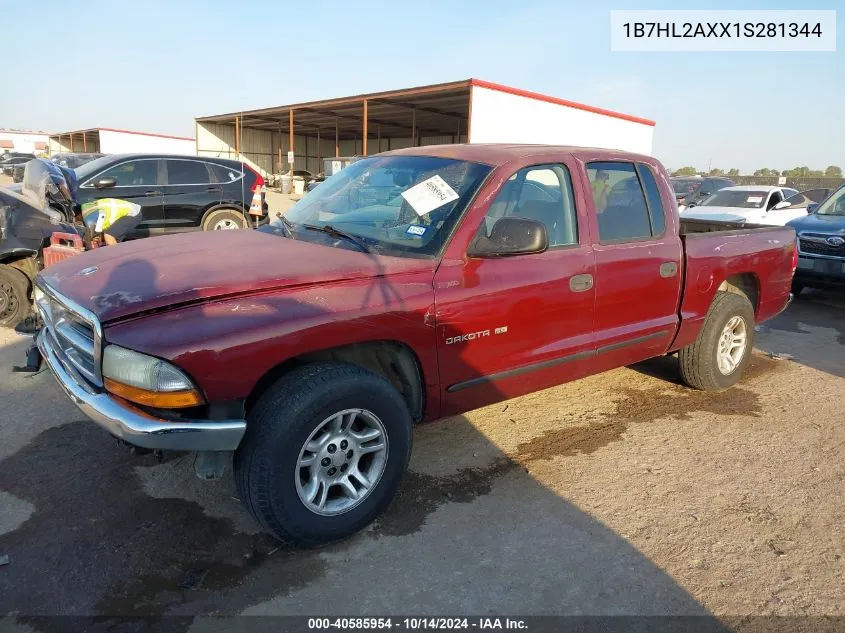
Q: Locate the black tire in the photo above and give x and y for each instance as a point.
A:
(14, 296)
(278, 427)
(215, 219)
(797, 287)
(699, 364)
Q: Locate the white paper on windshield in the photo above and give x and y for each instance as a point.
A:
(754, 199)
(429, 195)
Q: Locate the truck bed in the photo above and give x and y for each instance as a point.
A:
(758, 259)
(694, 225)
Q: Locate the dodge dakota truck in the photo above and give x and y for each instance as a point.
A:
(412, 285)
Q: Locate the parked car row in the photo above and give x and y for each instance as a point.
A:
(12, 160)
(69, 159)
(817, 215)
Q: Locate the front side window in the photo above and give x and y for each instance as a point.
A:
(187, 172)
(133, 173)
(620, 203)
(542, 193)
(397, 205)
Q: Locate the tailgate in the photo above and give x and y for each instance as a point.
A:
(760, 260)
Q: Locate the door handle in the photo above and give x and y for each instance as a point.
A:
(668, 269)
(580, 283)
(152, 193)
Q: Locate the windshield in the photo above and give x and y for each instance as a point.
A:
(683, 187)
(739, 199)
(83, 172)
(396, 205)
(834, 205)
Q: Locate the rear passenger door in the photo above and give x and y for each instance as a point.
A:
(189, 192)
(638, 264)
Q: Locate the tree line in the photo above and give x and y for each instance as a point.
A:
(832, 171)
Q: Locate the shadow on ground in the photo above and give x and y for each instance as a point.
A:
(490, 540)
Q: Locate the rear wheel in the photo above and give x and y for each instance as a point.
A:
(224, 220)
(14, 296)
(716, 359)
(324, 453)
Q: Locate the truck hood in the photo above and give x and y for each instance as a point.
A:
(116, 282)
(820, 223)
(718, 214)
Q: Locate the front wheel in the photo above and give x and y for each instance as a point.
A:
(14, 296)
(324, 453)
(716, 359)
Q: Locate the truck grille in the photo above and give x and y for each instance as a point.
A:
(818, 245)
(72, 334)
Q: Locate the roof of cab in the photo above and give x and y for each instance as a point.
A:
(501, 153)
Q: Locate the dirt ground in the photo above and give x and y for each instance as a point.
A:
(620, 494)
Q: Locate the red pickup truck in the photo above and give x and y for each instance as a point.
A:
(412, 285)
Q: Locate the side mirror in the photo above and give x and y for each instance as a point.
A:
(105, 183)
(511, 236)
(812, 207)
(781, 205)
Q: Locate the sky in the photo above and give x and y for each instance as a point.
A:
(154, 66)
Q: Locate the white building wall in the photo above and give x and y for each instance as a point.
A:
(501, 117)
(112, 142)
(23, 141)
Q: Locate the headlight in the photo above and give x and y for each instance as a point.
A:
(147, 380)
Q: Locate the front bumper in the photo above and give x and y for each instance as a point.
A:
(820, 271)
(133, 425)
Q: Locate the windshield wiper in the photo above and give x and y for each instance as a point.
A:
(286, 223)
(332, 231)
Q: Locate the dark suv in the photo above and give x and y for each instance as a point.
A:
(690, 191)
(176, 193)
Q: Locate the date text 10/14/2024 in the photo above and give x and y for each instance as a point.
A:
(416, 624)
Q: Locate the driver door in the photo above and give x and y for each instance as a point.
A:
(510, 325)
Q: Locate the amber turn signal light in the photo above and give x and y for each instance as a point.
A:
(157, 399)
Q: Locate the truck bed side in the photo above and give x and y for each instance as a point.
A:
(757, 260)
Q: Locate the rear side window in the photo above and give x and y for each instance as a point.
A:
(187, 172)
(655, 204)
(620, 203)
(223, 174)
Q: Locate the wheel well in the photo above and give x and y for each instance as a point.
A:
(743, 284)
(391, 359)
(27, 264)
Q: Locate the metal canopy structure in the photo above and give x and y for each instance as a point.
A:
(303, 135)
(77, 141)
(436, 110)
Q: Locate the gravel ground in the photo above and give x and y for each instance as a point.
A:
(619, 494)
